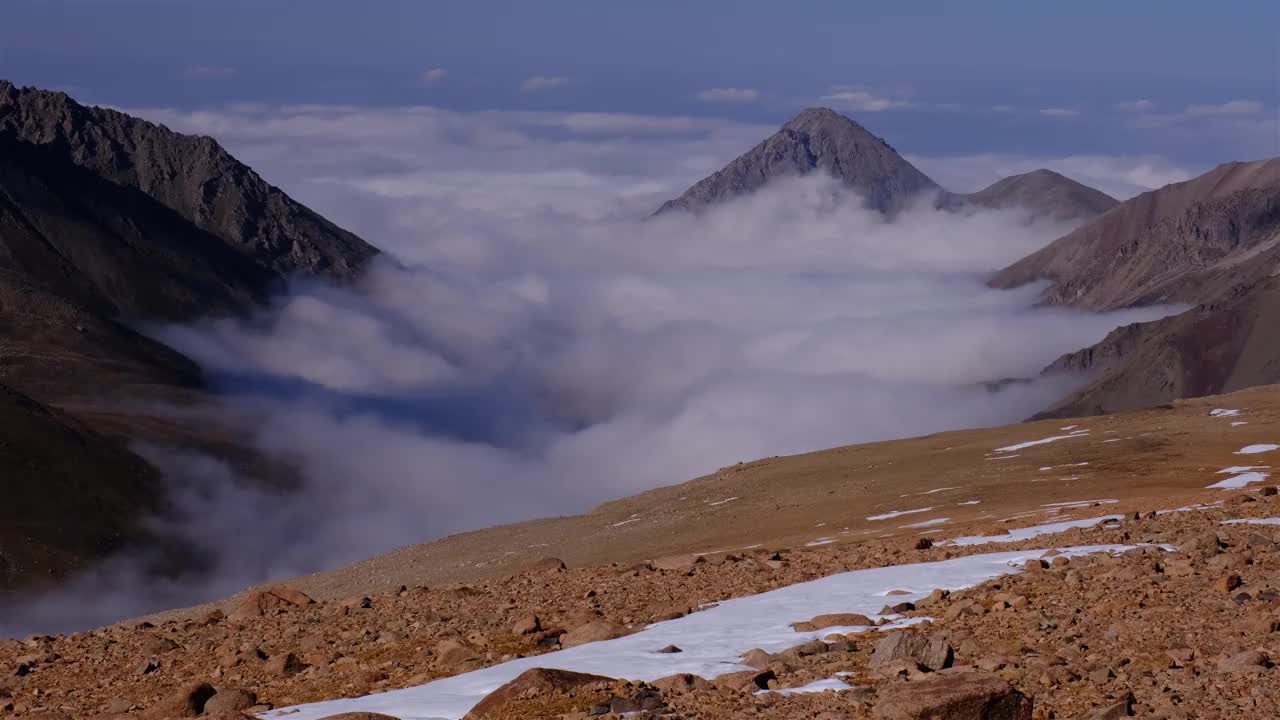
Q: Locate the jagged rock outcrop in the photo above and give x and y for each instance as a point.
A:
(193, 176)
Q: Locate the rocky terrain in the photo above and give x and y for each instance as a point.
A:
(1213, 242)
(107, 220)
(822, 140)
(1182, 626)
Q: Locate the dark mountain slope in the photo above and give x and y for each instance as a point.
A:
(193, 176)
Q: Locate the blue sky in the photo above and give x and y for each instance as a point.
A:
(933, 76)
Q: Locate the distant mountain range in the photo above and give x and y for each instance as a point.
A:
(822, 140)
(107, 219)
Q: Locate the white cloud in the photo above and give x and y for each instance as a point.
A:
(729, 94)
(209, 71)
(1136, 106)
(434, 76)
(857, 99)
(1233, 108)
(541, 340)
(543, 83)
(1057, 112)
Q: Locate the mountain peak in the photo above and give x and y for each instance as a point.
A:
(817, 139)
(1044, 193)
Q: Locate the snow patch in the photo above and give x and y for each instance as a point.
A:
(1029, 532)
(820, 541)
(1255, 449)
(1252, 521)
(813, 687)
(927, 523)
(1042, 441)
(969, 502)
(1079, 503)
(1224, 412)
(721, 502)
(1239, 481)
(713, 640)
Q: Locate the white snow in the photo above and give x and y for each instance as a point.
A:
(1242, 468)
(927, 523)
(1030, 532)
(813, 687)
(1069, 427)
(1224, 412)
(1239, 481)
(1255, 449)
(930, 492)
(1197, 506)
(1047, 468)
(1238, 423)
(712, 640)
(1252, 521)
(721, 502)
(633, 518)
(1003, 457)
(969, 502)
(1042, 441)
(897, 513)
(820, 541)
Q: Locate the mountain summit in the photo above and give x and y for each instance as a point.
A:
(816, 139)
(1045, 194)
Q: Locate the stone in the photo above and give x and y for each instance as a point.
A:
(187, 701)
(970, 695)
(833, 620)
(537, 691)
(1249, 661)
(670, 649)
(526, 625)
(547, 565)
(454, 653)
(683, 682)
(268, 602)
(231, 700)
(1227, 583)
(593, 631)
(746, 680)
(1114, 711)
(929, 652)
(756, 658)
(283, 665)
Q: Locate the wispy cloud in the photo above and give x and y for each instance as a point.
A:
(1136, 106)
(434, 76)
(209, 71)
(729, 94)
(1232, 108)
(859, 99)
(542, 83)
(1058, 112)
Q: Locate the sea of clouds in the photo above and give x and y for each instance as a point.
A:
(533, 342)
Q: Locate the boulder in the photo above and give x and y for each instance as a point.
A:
(953, 696)
(683, 682)
(929, 652)
(593, 631)
(833, 620)
(230, 700)
(187, 701)
(526, 625)
(268, 602)
(676, 562)
(541, 692)
(547, 565)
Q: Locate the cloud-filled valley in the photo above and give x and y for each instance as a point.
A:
(534, 343)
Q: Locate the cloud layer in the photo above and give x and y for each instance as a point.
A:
(537, 344)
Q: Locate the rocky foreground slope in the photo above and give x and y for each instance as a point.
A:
(1182, 626)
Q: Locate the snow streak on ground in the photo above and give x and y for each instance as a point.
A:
(1239, 481)
(1042, 441)
(1224, 412)
(1252, 521)
(1255, 449)
(712, 640)
(1030, 532)
(897, 513)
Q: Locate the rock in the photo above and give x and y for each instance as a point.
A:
(683, 682)
(1249, 661)
(670, 649)
(187, 701)
(833, 620)
(756, 658)
(1114, 711)
(526, 625)
(268, 602)
(953, 696)
(547, 565)
(283, 665)
(593, 631)
(541, 692)
(231, 700)
(931, 652)
(924, 543)
(897, 609)
(156, 645)
(676, 562)
(1227, 583)
(746, 680)
(453, 653)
